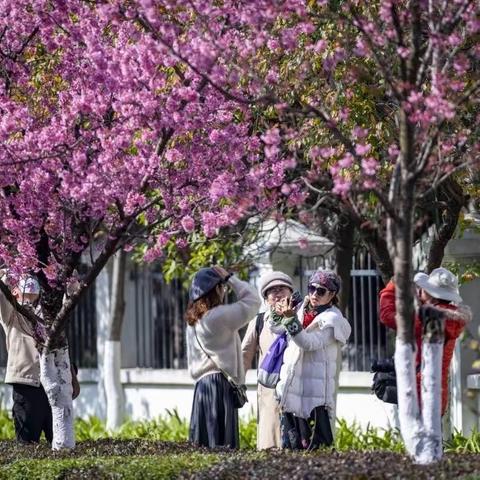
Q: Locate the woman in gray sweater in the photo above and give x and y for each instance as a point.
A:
(213, 346)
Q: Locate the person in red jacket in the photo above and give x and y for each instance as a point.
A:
(439, 290)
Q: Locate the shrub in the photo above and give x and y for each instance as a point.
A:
(7, 429)
(248, 433)
(167, 428)
(352, 437)
(459, 443)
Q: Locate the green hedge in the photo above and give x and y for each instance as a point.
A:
(129, 467)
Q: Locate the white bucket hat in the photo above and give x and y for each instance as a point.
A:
(28, 284)
(441, 284)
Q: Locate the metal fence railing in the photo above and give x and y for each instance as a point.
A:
(82, 331)
(159, 320)
(3, 349)
(370, 339)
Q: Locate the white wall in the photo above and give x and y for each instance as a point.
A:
(466, 250)
(149, 393)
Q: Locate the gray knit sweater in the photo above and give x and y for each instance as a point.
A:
(217, 331)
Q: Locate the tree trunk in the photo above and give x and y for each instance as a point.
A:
(56, 378)
(408, 407)
(112, 354)
(377, 246)
(343, 257)
(453, 200)
(432, 354)
(422, 436)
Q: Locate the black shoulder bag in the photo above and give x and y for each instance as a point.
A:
(239, 391)
(385, 380)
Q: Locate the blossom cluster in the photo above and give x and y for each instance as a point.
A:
(145, 115)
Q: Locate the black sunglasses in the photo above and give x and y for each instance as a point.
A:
(320, 291)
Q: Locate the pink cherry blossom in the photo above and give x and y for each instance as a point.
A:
(188, 223)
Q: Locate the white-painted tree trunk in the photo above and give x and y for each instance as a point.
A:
(102, 310)
(421, 432)
(408, 410)
(56, 378)
(113, 385)
(112, 353)
(432, 353)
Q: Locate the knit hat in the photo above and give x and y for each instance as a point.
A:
(28, 284)
(274, 279)
(327, 279)
(205, 280)
(441, 284)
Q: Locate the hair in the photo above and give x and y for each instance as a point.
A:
(335, 301)
(198, 308)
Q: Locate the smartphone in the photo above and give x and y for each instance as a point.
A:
(296, 299)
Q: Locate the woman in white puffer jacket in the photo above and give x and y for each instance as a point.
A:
(307, 378)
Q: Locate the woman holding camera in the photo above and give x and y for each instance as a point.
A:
(214, 352)
(307, 377)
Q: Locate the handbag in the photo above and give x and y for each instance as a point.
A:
(239, 391)
(269, 370)
(385, 381)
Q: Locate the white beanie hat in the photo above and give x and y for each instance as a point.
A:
(274, 279)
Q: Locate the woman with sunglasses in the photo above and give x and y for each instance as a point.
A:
(307, 377)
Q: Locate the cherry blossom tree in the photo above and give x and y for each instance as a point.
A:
(107, 138)
(139, 120)
(418, 59)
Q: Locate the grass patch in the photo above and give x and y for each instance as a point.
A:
(166, 466)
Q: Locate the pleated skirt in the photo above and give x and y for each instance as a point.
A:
(214, 420)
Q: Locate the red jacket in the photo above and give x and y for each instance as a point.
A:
(453, 328)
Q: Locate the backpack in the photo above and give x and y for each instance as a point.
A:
(259, 324)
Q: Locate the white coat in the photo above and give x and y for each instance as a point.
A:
(307, 376)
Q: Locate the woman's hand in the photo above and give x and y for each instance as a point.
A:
(284, 307)
(221, 272)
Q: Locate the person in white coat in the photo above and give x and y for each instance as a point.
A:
(307, 378)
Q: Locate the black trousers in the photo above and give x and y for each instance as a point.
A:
(32, 413)
(306, 434)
